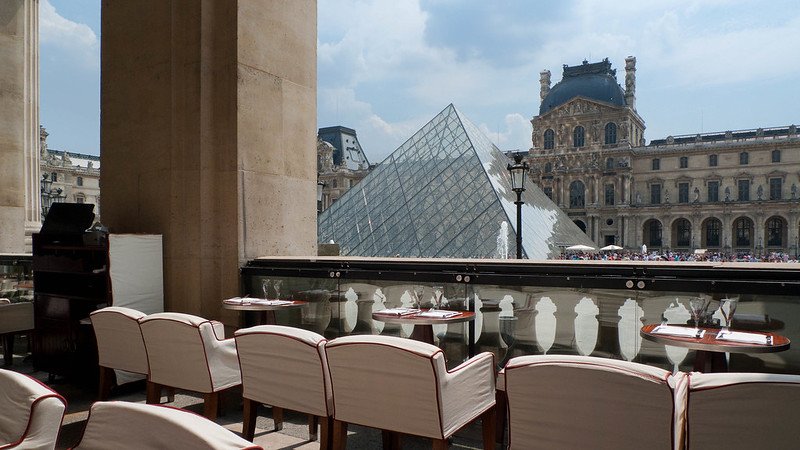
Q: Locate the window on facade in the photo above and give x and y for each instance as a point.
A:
(712, 160)
(548, 167)
(576, 194)
(683, 231)
(776, 156)
(578, 136)
(712, 233)
(549, 139)
(609, 191)
(744, 190)
(654, 229)
(775, 188)
(656, 165)
(713, 191)
(548, 191)
(609, 163)
(743, 232)
(80, 199)
(744, 158)
(684, 162)
(611, 133)
(683, 192)
(775, 232)
(655, 194)
(79, 181)
(54, 176)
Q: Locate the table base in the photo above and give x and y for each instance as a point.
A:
(706, 362)
(423, 333)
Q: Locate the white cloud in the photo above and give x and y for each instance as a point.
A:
(69, 36)
(516, 134)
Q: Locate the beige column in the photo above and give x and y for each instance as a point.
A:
(19, 123)
(208, 135)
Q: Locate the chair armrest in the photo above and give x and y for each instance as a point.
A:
(467, 391)
(223, 361)
(219, 329)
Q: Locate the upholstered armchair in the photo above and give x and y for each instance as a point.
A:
(120, 345)
(285, 367)
(559, 401)
(31, 413)
(191, 353)
(402, 386)
(742, 410)
(14, 318)
(134, 426)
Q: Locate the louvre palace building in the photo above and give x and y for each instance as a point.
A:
(729, 191)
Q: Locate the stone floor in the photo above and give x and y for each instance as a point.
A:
(294, 434)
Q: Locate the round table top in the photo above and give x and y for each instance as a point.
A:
(710, 343)
(261, 307)
(414, 319)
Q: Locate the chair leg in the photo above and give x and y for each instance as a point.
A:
(339, 435)
(277, 418)
(153, 393)
(8, 348)
(325, 433)
(249, 419)
(501, 412)
(107, 379)
(489, 422)
(391, 440)
(440, 444)
(312, 427)
(211, 405)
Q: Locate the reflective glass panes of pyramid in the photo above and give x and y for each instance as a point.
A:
(446, 192)
(519, 320)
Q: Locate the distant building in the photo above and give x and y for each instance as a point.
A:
(68, 177)
(733, 191)
(341, 162)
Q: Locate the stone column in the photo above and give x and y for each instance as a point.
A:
(208, 136)
(19, 123)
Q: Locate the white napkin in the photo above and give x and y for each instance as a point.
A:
(738, 336)
(679, 331)
(261, 301)
(438, 314)
(236, 300)
(398, 311)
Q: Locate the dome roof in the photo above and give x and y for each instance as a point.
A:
(595, 81)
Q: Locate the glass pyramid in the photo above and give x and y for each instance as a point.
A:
(445, 193)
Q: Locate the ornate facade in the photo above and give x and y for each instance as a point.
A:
(341, 163)
(733, 191)
(68, 177)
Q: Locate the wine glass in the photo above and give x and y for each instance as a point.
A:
(697, 307)
(277, 286)
(508, 325)
(438, 292)
(727, 306)
(417, 292)
(265, 287)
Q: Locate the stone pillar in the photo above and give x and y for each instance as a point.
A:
(208, 136)
(630, 83)
(19, 123)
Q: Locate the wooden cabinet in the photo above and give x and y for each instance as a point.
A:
(72, 278)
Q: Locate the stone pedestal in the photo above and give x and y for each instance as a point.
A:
(208, 132)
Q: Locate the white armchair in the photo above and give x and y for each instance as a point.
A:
(287, 368)
(742, 410)
(133, 426)
(189, 352)
(120, 345)
(402, 386)
(31, 413)
(560, 401)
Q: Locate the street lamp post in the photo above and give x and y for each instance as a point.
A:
(320, 187)
(518, 172)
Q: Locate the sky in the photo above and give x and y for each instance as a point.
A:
(386, 68)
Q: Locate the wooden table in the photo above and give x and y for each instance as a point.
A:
(711, 351)
(423, 326)
(266, 313)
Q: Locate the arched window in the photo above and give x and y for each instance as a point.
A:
(744, 158)
(548, 167)
(54, 177)
(684, 162)
(578, 136)
(683, 233)
(775, 232)
(576, 194)
(611, 133)
(609, 163)
(652, 233)
(713, 228)
(549, 139)
(744, 232)
(79, 181)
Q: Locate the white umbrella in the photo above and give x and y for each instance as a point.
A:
(611, 247)
(581, 248)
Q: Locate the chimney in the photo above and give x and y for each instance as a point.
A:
(630, 82)
(544, 80)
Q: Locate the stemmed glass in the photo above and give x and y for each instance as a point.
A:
(438, 292)
(727, 307)
(265, 287)
(697, 307)
(508, 325)
(417, 292)
(277, 286)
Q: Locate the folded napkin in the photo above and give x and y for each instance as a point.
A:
(679, 331)
(261, 301)
(738, 336)
(438, 314)
(398, 311)
(236, 300)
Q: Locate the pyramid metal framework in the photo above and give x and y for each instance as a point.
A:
(444, 193)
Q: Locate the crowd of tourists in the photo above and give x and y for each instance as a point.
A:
(624, 255)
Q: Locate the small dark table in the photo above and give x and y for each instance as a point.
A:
(266, 312)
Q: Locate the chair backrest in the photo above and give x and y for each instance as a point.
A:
(177, 352)
(119, 340)
(742, 410)
(134, 426)
(387, 382)
(31, 412)
(285, 367)
(582, 401)
(16, 317)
